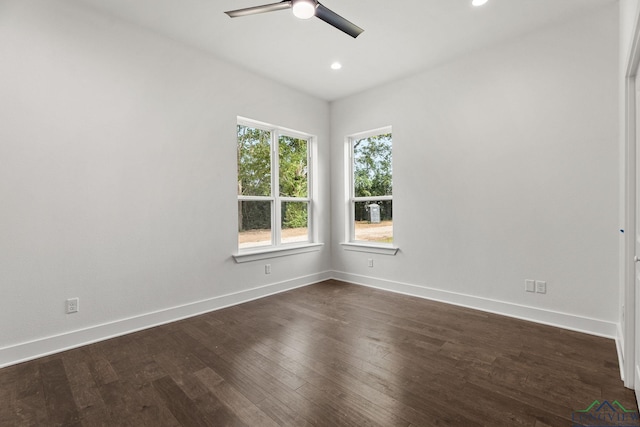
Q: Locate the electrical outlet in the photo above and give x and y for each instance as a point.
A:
(530, 285)
(72, 305)
(370, 262)
(541, 287)
(267, 269)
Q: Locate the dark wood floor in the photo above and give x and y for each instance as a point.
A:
(330, 354)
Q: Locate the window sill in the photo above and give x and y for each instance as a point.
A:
(259, 254)
(370, 248)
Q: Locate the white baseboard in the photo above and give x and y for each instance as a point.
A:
(54, 344)
(636, 373)
(547, 317)
(620, 350)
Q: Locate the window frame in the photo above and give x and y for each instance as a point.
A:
(350, 242)
(276, 245)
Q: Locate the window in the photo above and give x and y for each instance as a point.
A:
(371, 187)
(274, 192)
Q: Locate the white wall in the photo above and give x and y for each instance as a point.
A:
(505, 169)
(118, 178)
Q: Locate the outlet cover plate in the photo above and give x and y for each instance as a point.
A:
(72, 305)
(530, 285)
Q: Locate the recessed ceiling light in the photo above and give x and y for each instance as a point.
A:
(336, 66)
(478, 2)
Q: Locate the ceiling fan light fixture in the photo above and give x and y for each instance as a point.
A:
(304, 9)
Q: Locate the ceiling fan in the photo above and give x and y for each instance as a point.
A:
(303, 9)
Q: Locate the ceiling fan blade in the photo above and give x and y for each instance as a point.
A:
(286, 4)
(332, 18)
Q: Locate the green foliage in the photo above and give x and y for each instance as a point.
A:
(254, 162)
(372, 177)
(372, 166)
(293, 167)
(254, 215)
(373, 173)
(294, 215)
(254, 178)
(293, 180)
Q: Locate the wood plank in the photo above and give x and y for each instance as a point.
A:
(234, 400)
(201, 412)
(61, 408)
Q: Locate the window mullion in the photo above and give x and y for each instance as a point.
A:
(275, 188)
(294, 199)
(352, 194)
(255, 198)
(310, 224)
(371, 199)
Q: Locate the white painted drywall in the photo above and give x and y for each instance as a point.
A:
(118, 175)
(505, 169)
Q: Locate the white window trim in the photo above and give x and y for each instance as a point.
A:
(281, 251)
(357, 245)
(371, 248)
(277, 248)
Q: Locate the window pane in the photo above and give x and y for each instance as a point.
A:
(374, 221)
(254, 162)
(293, 167)
(295, 222)
(254, 219)
(372, 166)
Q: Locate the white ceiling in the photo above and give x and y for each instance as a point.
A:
(400, 38)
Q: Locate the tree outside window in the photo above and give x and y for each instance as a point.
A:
(371, 201)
